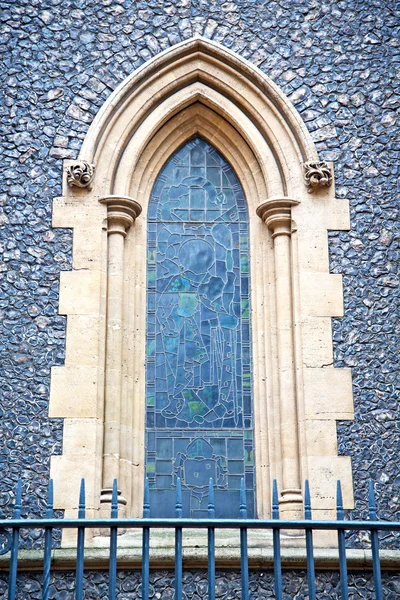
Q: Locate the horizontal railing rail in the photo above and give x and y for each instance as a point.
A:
(10, 531)
(126, 523)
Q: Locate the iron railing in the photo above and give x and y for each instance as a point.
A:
(11, 530)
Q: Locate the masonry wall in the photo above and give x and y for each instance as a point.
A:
(339, 64)
(195, 585)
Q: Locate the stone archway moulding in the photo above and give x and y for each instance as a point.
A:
(200, 88)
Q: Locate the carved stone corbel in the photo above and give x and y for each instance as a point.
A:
(80, 174)
(317, 174)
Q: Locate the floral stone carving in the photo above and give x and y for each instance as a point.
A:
(317, 174)
(80, 174)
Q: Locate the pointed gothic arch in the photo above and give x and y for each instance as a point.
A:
(198, 87)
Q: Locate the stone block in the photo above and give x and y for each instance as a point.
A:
(312, 252)
(82, 348)
(321, 295)
(89, 248)
(316, 342)
(73, 392)
(80, 292)
(328, 393)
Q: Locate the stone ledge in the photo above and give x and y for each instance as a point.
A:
(293, 554)
(97, 559)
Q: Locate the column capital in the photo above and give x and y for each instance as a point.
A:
(277, 214)
(122, 212)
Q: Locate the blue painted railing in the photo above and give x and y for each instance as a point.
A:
(10, 530)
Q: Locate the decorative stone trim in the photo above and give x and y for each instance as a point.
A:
(200, 88)
(122, 212)
(80, 174)
(162, 555)
(317, 174)
(277, 214)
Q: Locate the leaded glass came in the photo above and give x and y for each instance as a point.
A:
(199, 421)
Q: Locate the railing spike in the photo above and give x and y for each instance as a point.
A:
(211, 543)
(178, 542)
(339, 501)
(50, 500)
(376, 565)
(12, 582)
(80, 544)
(309, 543)
(146, 542)
(243, 504)
(344, 588)
(307, 501)
(48, 542)
(146, 499)
(82, 501)
(275, 500)
(114, 500)
(276, 543)
(211, 505)
(244, 559)
(178, 505)
(18, 500)
(112, 574)
(371, 501)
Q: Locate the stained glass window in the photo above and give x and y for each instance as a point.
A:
(199, 421)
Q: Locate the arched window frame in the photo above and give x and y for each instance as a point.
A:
(198, 284)
(200, 88)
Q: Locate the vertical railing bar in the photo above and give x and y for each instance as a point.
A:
(178, 542)
(146, 543)
(211, 543)
(80, 545)
(344, 588)
(112, 583)
(47, 542)
(244, 558)
(309, 544)
(376, 564)
(12, 582)
(276, 537)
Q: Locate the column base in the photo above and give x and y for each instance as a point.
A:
(291, 504)
(291, 495)
(106, 499)
(105, 509)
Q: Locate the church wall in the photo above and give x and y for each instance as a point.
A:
(338, 64)
(195, 585)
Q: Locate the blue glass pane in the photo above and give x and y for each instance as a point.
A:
(198, 370)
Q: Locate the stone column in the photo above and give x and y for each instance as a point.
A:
(121, 214)
(276, 213)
